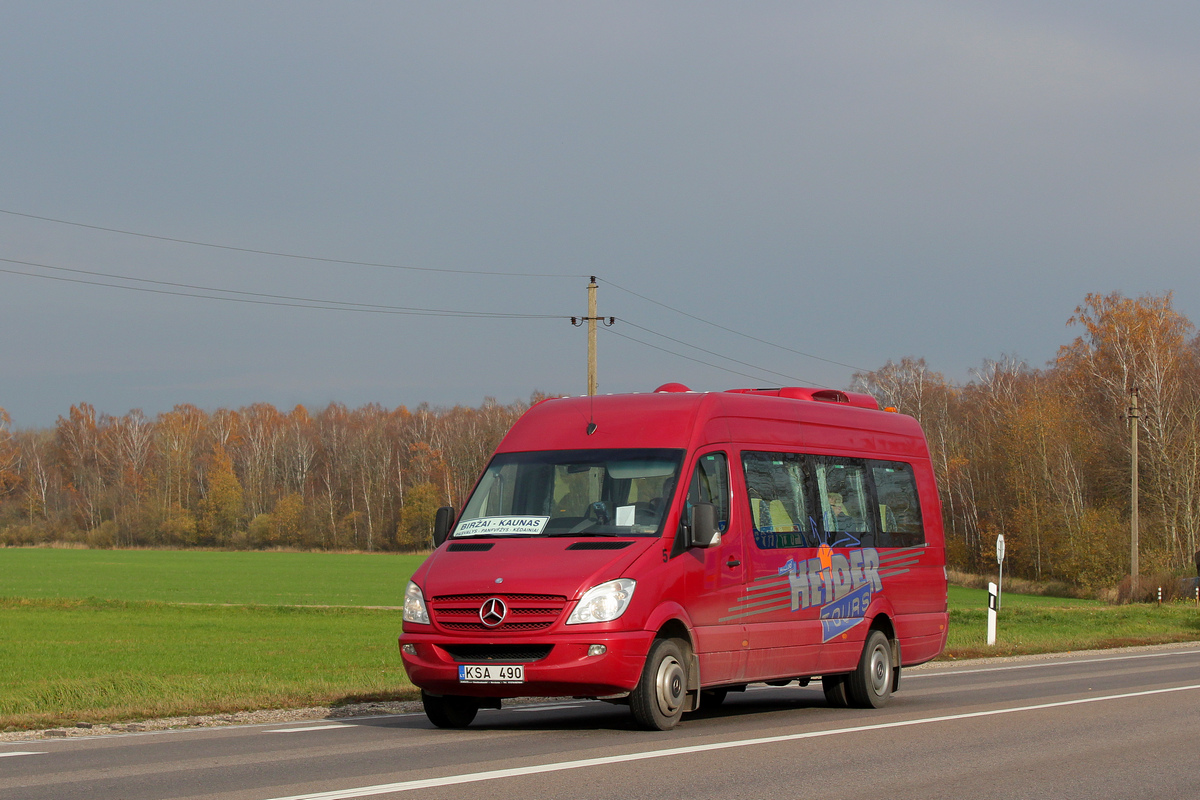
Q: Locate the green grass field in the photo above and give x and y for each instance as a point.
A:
(98, 635)
(196, 576)
(103, 635)
(104, 660)
(1036, 624)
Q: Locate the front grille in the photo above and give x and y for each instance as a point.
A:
(508, 598)
(526, 612)
(519, 653)
(507, 626)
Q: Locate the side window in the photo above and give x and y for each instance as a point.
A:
(899, 511)
(710, 484)
(777, 491)
(845, 499)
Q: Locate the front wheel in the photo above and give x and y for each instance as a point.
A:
(449, 711)
(870, 685)
(658, 699)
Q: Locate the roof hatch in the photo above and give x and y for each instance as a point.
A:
(816, 395)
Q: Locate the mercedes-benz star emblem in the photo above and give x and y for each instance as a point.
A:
(492, 612)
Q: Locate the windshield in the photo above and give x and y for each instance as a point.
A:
(573, 493)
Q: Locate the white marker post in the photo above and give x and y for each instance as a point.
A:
(991, 614)
(1000, 561)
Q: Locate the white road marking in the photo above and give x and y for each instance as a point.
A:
(909, 675)
(491, 775)
(931, 669)
(23, 753)
(311, 728)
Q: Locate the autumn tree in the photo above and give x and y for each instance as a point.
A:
(1144, 343)
(370, 455)
(287, 521)
(9, 456)
(256, 454)
(298, 452)
(221, 509)
(128, 450)
(416, 520)
(39, 476)
(332, 428)
(177, 440)
(79, 442)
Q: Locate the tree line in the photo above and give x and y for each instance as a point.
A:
(1041, 455)
(364, 479)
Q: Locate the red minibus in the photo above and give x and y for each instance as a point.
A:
(664, 549)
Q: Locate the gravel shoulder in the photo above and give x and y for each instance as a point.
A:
(264, 717)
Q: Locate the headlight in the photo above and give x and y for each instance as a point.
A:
(414, 605)
(603, 603)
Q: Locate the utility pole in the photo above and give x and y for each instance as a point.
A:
(591, 319)
(1133, 491)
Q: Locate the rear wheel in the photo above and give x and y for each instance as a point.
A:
(870, 685)
(658, 699)
(449, 711)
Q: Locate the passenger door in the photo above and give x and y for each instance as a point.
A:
(778, 606)
(849, 525)
(714, 575)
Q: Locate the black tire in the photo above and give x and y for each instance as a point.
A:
(836, 693)
(870, 685)
(657, 701)
(449, 711)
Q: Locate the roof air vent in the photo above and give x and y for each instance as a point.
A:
(830, 396)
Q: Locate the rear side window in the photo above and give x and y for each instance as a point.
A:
(845, 499)
(777, 488)
(898, 508)
(801, 500)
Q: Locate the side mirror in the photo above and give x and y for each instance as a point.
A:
(704, 526)
(442, 524)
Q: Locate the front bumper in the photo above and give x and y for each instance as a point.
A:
(567, 670)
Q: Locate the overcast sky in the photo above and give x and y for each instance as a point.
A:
(857, 182)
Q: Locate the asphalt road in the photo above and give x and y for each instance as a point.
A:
(1089, 726)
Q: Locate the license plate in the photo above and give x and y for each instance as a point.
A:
(491, 673)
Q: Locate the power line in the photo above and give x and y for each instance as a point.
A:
(257, 298)
(731, 330)
(289, 255)
(696, 360)
(714, 353)
(390, 309)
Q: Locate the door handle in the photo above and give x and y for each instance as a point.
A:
(733, 562)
